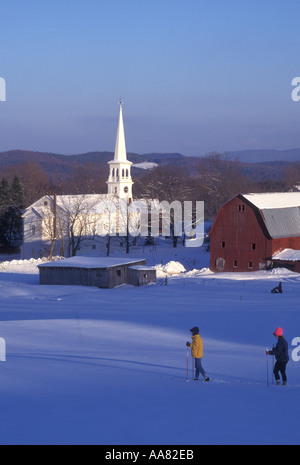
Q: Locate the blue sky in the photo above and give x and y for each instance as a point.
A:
(196, 75)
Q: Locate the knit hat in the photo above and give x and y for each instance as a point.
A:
(278, 332)
(195, 330)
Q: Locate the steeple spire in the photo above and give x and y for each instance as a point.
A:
(120, 149)
(120, 181)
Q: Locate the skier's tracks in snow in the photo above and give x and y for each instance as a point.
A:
(106, 362)
(139, 367)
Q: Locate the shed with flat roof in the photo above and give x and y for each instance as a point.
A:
(101, 272)
(139, 275)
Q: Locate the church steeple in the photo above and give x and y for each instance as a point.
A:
(120, 149)
(120, 181)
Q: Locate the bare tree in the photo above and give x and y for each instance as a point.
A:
(34, 180)
(108, 224)
(219, 178)
(167, 184)
(88, 179)
(54, 226)
(292, 176)
(81, 218)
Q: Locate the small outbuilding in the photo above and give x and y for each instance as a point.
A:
(100, 272)
(140, 275)
(287, 258)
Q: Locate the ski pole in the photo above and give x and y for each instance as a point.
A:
(193, 367)
(187, 364)
(273, 364)
(267, 367)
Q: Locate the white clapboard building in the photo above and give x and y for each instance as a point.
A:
(68, 225)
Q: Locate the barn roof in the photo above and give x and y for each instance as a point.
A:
(274, 200)
(279, 211)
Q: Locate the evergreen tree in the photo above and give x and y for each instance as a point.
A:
(17, 194)
(11, 205)
(4, 195)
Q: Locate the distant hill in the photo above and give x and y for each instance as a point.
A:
(56, 165)
(266, 156)
(257, 164)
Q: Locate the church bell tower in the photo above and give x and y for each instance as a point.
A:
(120, 181)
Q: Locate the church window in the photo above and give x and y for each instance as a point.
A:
(126, 189)
(123, 173)
(126, 173)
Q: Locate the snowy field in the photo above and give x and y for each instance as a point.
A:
(95, 366)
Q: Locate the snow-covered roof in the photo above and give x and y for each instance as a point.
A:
(274, 200)
(287, 255)
(142, 268)
(86, 204)
(89, 203)
(91, 262)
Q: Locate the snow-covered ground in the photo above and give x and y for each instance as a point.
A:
(95, 366)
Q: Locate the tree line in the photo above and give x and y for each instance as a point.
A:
(213, 179)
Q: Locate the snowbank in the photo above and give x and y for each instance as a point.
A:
(195, 273)
(24, 266)
(170, 269)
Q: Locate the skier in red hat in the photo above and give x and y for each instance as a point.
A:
(281, 352)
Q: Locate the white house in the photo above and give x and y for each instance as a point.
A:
(65, 224)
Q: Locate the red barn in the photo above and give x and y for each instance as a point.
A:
(251, 229)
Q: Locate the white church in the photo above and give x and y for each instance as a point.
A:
(68, 225)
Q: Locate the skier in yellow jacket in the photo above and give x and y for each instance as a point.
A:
(197, 352)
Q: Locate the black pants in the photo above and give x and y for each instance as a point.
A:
(280, 367)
